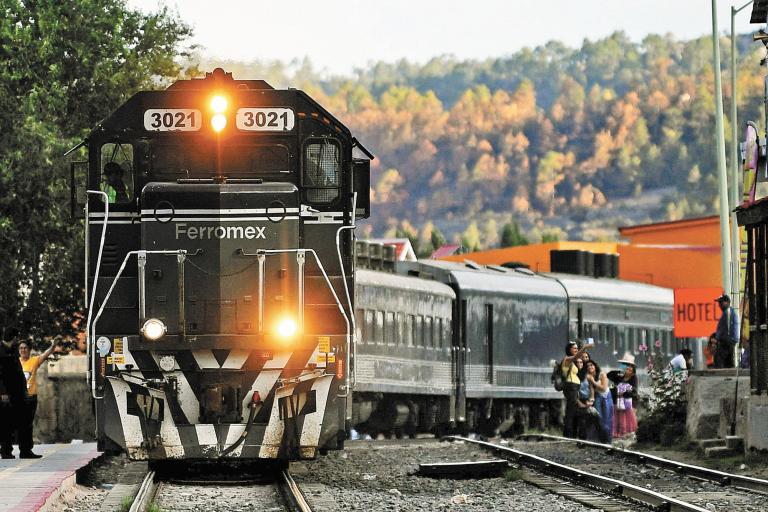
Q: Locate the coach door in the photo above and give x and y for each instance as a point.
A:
(459, 359)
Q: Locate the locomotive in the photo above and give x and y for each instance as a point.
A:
(465, 347)
(219, 218)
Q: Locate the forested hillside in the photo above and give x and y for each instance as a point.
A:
(566, 142)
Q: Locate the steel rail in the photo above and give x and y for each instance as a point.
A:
(604, 484)
(292, 493)
(712, 475)
(145, 495)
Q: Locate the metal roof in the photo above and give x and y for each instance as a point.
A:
(759, 11)
(471, 276)
(615, 290)
(389, 280)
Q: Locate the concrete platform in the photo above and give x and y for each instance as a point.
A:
(29, 484)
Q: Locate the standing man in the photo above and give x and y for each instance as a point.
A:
(727, 333)
(30, 364)
(12, 391)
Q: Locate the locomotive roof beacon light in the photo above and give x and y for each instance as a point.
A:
(219, 119)
(153, 329)
(218, 104)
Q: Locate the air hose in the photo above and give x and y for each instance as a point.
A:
(248, 424)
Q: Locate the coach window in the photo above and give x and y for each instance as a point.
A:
(427, 331)
(360, 324)
(322, 170)
(378, 327)
(389, 327)
(418, 332)
(116, 167)
(408, 340)
(437, 333)
(400, 331)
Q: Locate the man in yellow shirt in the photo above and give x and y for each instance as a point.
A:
(30, 364)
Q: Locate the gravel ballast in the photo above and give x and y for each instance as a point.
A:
(380, 476)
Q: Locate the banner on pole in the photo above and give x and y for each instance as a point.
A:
(696, 313)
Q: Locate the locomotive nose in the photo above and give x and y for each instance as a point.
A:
(234, 280)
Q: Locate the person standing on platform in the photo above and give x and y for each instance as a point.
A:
(603, 400)
(12, 393)
(625, 394)
(571, 386)
(30, 365)
(727, 333)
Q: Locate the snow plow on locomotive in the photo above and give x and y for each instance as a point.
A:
(219, 271)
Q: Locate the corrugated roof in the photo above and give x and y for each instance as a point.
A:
(445, 250)
(615, 290)
(385, 279)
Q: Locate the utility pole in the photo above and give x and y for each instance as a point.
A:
(725, 238)
(735, 170)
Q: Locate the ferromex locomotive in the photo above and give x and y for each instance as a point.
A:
(220, 286)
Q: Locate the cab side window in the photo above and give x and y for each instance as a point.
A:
(322, 170)
(117, 172)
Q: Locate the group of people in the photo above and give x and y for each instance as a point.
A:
(18, 393)
(599, 406)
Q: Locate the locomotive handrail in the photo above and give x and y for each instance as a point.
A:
(178, 252)
(89, 353)
(353, 346)
(260, 252)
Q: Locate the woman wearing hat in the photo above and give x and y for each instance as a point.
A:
(625, 395)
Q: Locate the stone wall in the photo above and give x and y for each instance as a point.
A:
(64, 410)
(708, 392)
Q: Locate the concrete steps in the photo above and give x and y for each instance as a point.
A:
(731, 445)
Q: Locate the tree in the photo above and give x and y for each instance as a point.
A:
(66, 65)
(470, 239)
(511, 235)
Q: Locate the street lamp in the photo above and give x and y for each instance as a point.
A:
(725, 239)
(735, 238)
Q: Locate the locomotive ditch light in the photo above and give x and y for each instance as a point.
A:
(153, 329)
(218, 122)
(287, 328)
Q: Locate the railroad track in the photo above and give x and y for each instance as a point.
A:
(186, 495)
(711, 475)
(605, 487)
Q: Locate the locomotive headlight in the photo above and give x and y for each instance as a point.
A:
(218, 104)
(218, 122)
(153, 329)
(287, 328)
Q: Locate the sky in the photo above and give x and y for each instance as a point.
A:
(341, 35)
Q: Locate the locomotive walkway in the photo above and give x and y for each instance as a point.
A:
(29, 484)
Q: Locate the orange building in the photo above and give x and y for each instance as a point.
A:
(677, 254)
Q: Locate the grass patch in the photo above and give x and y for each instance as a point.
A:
(154, 507)
(514, 474)
(125, 504)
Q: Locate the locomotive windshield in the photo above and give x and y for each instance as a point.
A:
(173, 161)
(117, 172)
(322, 167)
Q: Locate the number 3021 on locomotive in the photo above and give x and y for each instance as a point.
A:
(219, 228)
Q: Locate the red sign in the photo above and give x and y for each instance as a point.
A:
(696, 313)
